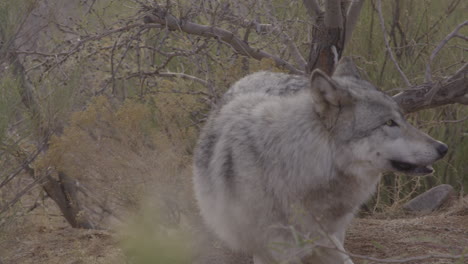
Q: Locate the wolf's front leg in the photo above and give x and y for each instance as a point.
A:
(258, 260)
(264, 259)
(340, 252)
(328, 250)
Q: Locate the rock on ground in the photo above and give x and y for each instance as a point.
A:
(431, 200)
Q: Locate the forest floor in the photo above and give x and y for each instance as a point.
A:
(44, 237)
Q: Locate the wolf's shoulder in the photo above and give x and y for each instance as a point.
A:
(268, 83)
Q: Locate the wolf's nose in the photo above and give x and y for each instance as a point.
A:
(442, 149)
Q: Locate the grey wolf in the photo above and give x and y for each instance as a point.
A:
(284, 162)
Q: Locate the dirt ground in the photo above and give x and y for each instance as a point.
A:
(437, 234)
(44, 237)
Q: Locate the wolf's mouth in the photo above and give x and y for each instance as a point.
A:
(411, 168)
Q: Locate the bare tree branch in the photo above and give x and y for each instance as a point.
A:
(387, 45)
(453, 34)
(333, 15)
(20, 194)
(352, 17)
(23, 166)
(328, 38)
(452, 90)
(269, 28)
(160, 16)
(168, 74)
(312, 7)
(301, 62)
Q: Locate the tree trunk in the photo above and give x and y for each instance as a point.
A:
(63, 190)
(328, 38)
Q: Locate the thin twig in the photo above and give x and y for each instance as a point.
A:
(352, 17)
(22, 167)
(453, 34)
(270, 28)
(436, 123)
(21, 194)
(167, 74)
(184, 76)
(387, 45)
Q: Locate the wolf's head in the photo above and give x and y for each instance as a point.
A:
(368, 127)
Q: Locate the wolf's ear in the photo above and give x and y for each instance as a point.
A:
(346, 67)
(328, 96)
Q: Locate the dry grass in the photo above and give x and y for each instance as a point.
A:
(120, 155)
(440, 233)
(44, 237)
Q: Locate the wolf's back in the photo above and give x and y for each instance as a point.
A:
(268, 83)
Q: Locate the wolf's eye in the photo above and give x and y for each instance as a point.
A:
(391, 123)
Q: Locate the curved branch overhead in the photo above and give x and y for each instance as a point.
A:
(333, 28)
(162, 17)
(429, 95)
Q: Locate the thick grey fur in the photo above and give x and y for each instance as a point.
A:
(287, 158)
